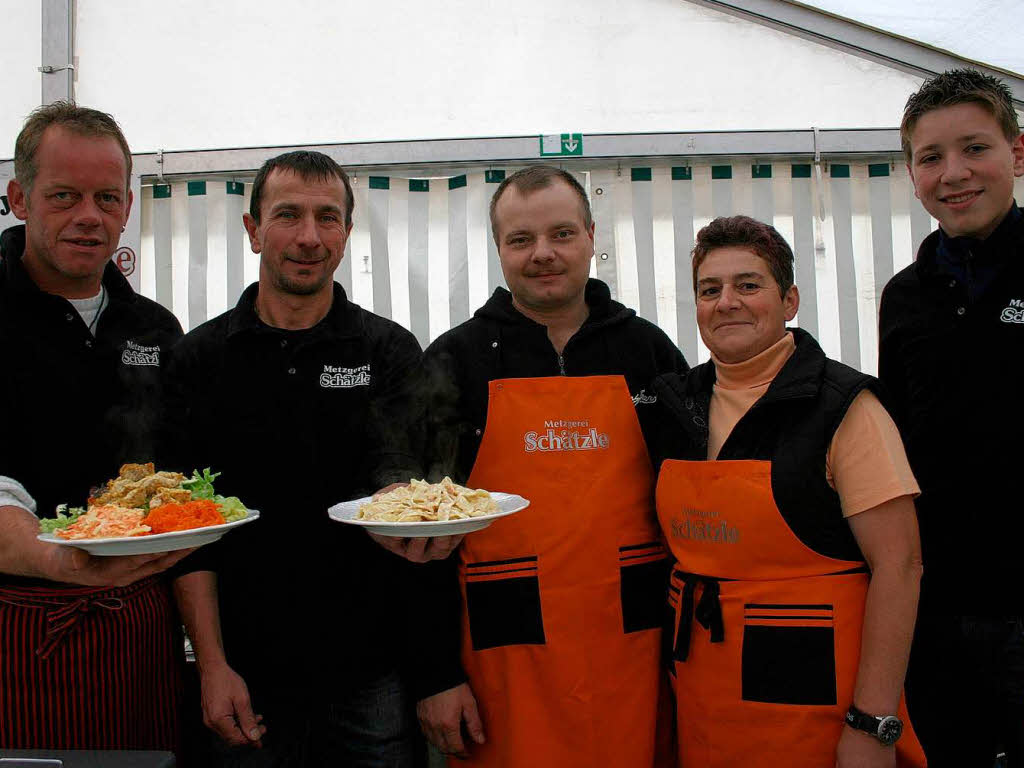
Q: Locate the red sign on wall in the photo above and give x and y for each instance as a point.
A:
(124, 258)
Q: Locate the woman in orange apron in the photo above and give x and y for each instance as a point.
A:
(784, 495)
(561, 601)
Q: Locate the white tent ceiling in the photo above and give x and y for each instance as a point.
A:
(986, 31)
(249, 76)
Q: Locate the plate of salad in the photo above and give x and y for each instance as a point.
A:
(143, 511)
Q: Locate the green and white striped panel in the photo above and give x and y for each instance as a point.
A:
(495, 277)
(199, 276)
(195, 254)
(417, 259)
(603, 184)
(421, 250)
(378, 211)
(458, 251)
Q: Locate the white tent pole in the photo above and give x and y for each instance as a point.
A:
(57, 67)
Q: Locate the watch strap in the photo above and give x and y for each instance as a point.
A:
(862, 721)
(887, 728)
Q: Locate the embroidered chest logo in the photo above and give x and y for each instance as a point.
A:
(335, 377)
(1014, 313)
(561, 435)
(642, 398)
(136, 354)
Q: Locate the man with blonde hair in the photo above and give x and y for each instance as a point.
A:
(90, 646)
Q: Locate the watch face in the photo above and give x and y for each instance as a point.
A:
(889, 730)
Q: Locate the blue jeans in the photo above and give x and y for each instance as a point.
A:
(372, 727)
(965, 690)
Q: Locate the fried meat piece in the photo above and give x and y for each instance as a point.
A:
(170, 496)
(135, 472)
(137, 493)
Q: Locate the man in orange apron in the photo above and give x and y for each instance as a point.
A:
(561, 603)
(785, 496)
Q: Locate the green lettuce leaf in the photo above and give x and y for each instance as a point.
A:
(201, 486)
(64, 518)
(231, 507)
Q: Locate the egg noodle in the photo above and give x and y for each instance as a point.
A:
(421, 501)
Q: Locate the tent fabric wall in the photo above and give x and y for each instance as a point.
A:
(421, 251)
(458, 68)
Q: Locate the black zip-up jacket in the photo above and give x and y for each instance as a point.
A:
(297, 421)
(500, 342)
(75, 407)
(791, 425)
(953, 368)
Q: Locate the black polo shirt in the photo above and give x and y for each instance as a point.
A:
(297, 421)
(75, 407)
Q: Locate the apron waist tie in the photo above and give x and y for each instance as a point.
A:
(65, 611)
(708, 613)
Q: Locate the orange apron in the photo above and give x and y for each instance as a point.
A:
(768, 631)
(561, 606)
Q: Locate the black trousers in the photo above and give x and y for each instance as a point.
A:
(965, 689)
(371, 727)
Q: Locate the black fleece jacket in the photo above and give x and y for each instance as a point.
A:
(951, 359)
(500, 342)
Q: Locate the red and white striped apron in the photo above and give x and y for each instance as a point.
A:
(88, 668)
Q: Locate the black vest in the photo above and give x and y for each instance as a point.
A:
(791, 425)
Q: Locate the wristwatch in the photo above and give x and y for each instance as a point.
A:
(887, 729)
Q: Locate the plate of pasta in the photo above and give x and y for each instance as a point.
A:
(423, 510)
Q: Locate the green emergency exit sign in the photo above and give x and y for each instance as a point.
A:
(561, 144)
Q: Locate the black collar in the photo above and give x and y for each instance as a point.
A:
(1004, 242)
(341, 321)
(601, 307)
(958, 247)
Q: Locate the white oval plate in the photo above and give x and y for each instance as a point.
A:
(347, 510)
(157, 542)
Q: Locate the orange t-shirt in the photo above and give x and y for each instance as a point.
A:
(866, 463)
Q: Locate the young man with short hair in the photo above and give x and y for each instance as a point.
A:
(951, 356)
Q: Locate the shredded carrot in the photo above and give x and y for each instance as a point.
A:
(181, 517)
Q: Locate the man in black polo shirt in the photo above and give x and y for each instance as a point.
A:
(89, 646)
(301, 399)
